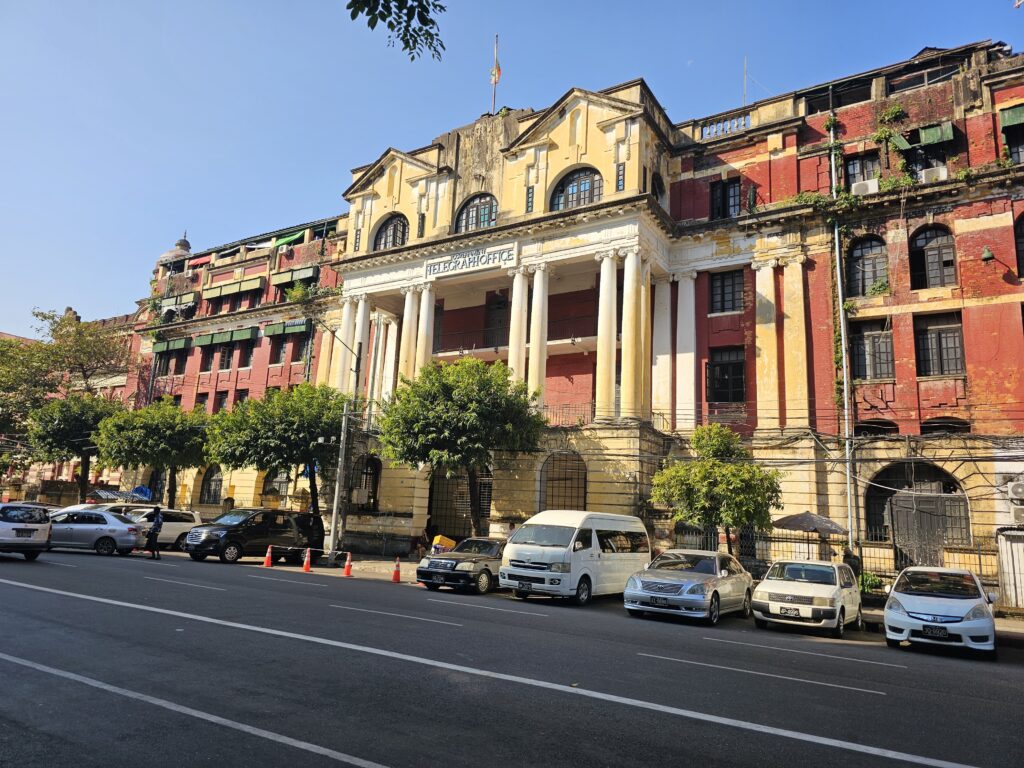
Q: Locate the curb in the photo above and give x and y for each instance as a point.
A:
(1012, 638)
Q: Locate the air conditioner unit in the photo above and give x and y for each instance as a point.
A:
(868, 187)
(360, 495)
(284, 250)
(928, 175)
(1015, 490)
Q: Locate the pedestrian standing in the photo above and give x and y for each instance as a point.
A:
(152, 540)
(853, 561)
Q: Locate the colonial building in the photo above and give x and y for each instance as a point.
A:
(645, 276)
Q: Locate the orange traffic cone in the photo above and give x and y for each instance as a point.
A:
(306, 566)
(396, 575)
(268, 561)
(348, 566)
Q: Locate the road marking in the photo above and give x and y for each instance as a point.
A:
(807, 653)
(485, 607)
(689, 714)
(399, 615)
(62, 565)
(185, 583)
(158, 562)
(762, 674)
(316, 749)
(287, 581)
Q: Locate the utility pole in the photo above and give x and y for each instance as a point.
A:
(336, 535)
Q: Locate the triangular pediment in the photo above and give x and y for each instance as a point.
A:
(380, 166)
(558, 111)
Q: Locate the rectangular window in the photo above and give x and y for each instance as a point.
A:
(299, 348)
(201, 400)
(180, 361)
(163, 362)
(241, 395)
(206, 361)
(727, 376)
(727, 291)
(1014, 137)
(213, 306)
(220, 402)
(643, 187)
(421, 224)
(177, 401)
(245, 354)
(529, 199)
(359, 236)
(224, 361)
(871, 350)
(725, 199)
(235, 302)
(939, 343)
(620, 177)
(862, 168)
(277, 344)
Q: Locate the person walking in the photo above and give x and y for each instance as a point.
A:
(153, 538)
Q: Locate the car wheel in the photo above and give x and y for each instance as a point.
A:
(179, 543)
(105, 546)
(231, 553)
(858, 623)
(760, 623)
(840, 628)
(583, 592)
(483, 582)
(635, 614)
(197, 557)
(520, 594)
(745, 611)
(714, 610)
(30, 556)
(892, 643)
(431, 586)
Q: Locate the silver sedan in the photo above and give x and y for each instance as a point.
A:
(105, 532)
(688, 582)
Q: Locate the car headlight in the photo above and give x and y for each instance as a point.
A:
(894, 605)
(504, 561)
(633, 583)
(977, 612)
(465, 566)
(424, 563)
(824, 602)
(700, 588)
(560, 567)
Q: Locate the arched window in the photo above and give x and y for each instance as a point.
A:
(871, 427)
(581, 187)
(563, 482)
(276, 484)
(932, 259)
(945, 425)
(365, 482)
(867, 268)
(394, 232)
(479, 212)
(210, 490)
(1018, 231)
(449, 503)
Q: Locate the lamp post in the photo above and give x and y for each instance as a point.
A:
(335, 534)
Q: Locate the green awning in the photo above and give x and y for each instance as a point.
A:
(168, 303)
(306, 273)
(252, 284)
(937, 134)
(899, 142)
(297, 326)
(175, 344)
(244, 334)
(222, 338)
(202, 341)
(212, 293)
(230, 288)
(291, 238)
(160, 346)
(275, 329)
(1011, 116)
(282, 278)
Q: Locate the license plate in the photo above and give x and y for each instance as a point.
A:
(789, 611)
(438, 579)
(524, 586)
(659, 601)
(23, 533)
(934, 631)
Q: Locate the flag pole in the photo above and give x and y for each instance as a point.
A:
(494, 76)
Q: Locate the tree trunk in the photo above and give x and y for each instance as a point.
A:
(83, 477)
(172, 486)
(475, 516)
(314, 495)
(728, 540)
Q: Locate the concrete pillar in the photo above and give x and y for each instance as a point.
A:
(539, 331)
(517, 323)
(360, 345)
(345, 333)
(766, 345)
(390, 359)
(631, 375)
(407, 353)
(661, 352)
(686, 353)
(604, 386)
(794, 338)
(645, 341)
(425, 329)
(376, 384)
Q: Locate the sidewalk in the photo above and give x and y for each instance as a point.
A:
(1009, 632)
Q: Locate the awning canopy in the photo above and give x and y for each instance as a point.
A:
(936, 134)
(295, 275)
(174, 301)
(808, 522)
(1012, 116)
(899, 142)
(172, 345)
(199, 261)
(239, 286)
(291, 238)
(292, 326)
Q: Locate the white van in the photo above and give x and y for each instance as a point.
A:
(564, 553)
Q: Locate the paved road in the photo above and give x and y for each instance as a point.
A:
(127, 661)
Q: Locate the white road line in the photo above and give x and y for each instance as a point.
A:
(689, 714)
(762, 674)
(399, 615)
(287, 581)
(185, 583)
(316, 749)
(163, 564)
(62, 565)
(485, 607)
(807, 653)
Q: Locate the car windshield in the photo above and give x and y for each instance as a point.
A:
(31, 515)
(673, 561)
(959, 586)
(477, 547)
(121, 518)
(544, 535)
(810, 574)
(231, 518)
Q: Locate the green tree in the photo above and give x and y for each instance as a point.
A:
(721, 486)
(281, 431)
(64, 429)
(453, 416)
(161, 436)
(412, 23)
(86, 354)
(26, 380)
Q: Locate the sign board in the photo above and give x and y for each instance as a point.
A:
(471, 261)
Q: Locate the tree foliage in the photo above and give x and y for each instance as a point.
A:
(87, 354)
(161, 436)
(26, 379)
(64, 428)
(281, 431)
(721, 485)
(453, 416)
(413, 23)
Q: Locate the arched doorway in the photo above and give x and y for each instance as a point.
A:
(449, 504)
(563, 482)
(921, 509)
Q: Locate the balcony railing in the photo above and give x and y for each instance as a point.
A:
(568, 414)
(724, 125)
(573, 327)
(497, 336)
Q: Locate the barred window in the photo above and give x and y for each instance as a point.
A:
(210, 490)
(939, 343)
(563, 482)
(932, 259)
(479, 212)
(581, 187)
(867, 266)
(725, 199)
(394, 232)
(726, 291)
(727, 376)
(529, 199)
(871, 350)
(1014, 137)
(620, 177)
(366, 477)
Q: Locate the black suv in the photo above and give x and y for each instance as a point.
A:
(243, 532)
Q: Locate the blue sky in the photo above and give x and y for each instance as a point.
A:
(128, 122)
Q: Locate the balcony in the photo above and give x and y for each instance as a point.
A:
(565, 335)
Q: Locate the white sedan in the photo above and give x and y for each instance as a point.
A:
(940, 606)
(808, 593)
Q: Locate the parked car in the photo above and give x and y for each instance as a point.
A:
(243, 532)
(565, 553)
(91, 526)
(941, 606)
(808, 593)
(472, 564)
(24, 528)
(177, 524)
(690, 582)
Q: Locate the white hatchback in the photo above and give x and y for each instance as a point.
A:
(808, 593)
(940, 606)
(177, 524)
(24, 528)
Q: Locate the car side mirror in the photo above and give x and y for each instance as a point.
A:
(887, 588)
(577, 546)
(992, 596)
(723, 573)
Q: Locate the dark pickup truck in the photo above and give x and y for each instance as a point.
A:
(242, 532)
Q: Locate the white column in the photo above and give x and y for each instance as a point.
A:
(794, 337)
(360, 345)
(539, 331)
(631, 376)
(645, 341)
(390, 358)
(661, 352)
(604, 386)
(345, 332)
(686, 353)
(425, 329)
(407, 354)
(517, 323)
(376, 384)
(766, 344)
